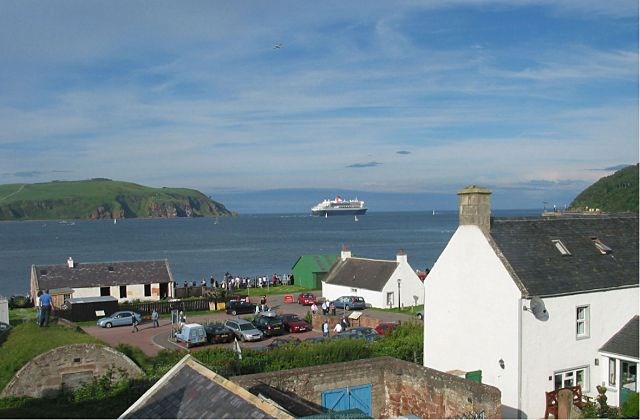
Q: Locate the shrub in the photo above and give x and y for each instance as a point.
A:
(629, 409)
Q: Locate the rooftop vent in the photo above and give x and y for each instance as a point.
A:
(561, 247)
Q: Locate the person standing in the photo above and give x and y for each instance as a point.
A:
(154, 318)
(134, 323)
(338, 328)
(325, 308)
(46, 306)
(314, 308)
(325, 328)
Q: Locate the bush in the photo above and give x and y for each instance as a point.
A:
(629, 409)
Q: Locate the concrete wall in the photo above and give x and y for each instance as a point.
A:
(399, 388)
(552, 346)
(472, 314)
(66, 368)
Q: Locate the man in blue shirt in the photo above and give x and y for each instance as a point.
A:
(46, 305)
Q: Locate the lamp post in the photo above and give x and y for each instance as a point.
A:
(399, 281)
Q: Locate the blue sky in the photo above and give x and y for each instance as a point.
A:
(535, 99)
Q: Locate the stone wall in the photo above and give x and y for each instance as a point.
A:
(399, 388)
(66, 368)
(363, 321)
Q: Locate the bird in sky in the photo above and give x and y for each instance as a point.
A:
(277, 46)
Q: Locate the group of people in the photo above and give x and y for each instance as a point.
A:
(337, 329)
(231, 282)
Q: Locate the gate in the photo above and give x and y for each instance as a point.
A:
(342, 399)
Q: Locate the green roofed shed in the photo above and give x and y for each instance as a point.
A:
(310, 270)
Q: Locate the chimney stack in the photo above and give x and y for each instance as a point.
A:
(401, 256)
(475, 207)
(345, 253)
(70, 262)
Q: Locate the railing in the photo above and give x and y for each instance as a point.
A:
(165, 307)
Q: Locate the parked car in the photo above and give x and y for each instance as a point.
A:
(235, 307)
(350, 302)
(277, 342)
(218, 333)
(244, 329)
(347, 335)
(306, 298)
(293, 323)
(192, 334)
(386, 328)
(319, 339)
(118, 318)
(269, 325)
(367, 333)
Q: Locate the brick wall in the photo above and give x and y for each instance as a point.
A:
(399, 388)
(66, 368)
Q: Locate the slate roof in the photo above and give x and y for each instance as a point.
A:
(624, 342)
(191, 391)
(526, 247)
(361, 273)
(102, 274)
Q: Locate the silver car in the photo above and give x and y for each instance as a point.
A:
(244, 330)
(119, 318)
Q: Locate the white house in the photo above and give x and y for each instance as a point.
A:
(382, 283)
(530, 301)
(619, 359)
(126, 281)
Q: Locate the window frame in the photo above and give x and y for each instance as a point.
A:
(586, 322)
(390, 299)
(613, 372)
(572, 374)
(147, 290)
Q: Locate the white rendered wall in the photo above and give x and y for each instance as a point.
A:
(135, 291)
(551, 346)
(410, 286)
(472, 310)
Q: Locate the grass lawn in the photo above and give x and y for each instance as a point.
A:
(27, 340)
(278, 290)
(407, 310)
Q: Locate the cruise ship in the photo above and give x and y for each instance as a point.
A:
(338, 206)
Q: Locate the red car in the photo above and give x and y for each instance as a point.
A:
(293, 323)
(386, 328)
(307, 299)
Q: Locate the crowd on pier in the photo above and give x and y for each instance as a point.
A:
(231, 282)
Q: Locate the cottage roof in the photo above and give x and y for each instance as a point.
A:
(361, 273)
(625, 341)
(191, 391)
(102, 274)
(568, 255)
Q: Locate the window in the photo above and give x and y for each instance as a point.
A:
(354, 290)
(123, 292)
(390, 299)
(561, 247)
(573, 377)
(105, 291)
(612, 372)
(582, 321)
(604, 249)
(147, 290)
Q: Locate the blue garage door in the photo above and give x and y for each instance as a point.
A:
(348, 398)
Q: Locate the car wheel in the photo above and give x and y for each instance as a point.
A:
(346, 307)
(108, 325)
(234, 312)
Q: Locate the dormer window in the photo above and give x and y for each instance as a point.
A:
(561, 247)
(602, 248)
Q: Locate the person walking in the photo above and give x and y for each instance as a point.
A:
(314, 308)
(325, 328)
(154, 318)
(46, 306)
(134, 323)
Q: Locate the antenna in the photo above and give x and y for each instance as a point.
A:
(537, 308)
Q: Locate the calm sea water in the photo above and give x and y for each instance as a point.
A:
(248, 245)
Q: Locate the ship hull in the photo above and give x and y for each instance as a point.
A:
(338, 212)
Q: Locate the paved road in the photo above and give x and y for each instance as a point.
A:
(151, 340)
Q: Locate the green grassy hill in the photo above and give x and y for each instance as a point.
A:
(102, 199)
(614, 193)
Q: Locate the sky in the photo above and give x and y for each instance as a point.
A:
(533, 99)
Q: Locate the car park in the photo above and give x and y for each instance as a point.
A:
(244, 329)
(119, 318)
(367, 333)
(386, 328)
(269, 325)
(192, 334)
(294, 324)
(306, 298)
(218, 333)
(350, 302)
(235, 307)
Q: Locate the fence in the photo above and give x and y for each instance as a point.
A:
(164, 307)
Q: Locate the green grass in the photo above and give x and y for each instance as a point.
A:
(407, 310)
(27, 340)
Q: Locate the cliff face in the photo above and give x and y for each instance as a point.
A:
(105, 199)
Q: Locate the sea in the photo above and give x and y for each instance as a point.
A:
(245, 245)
